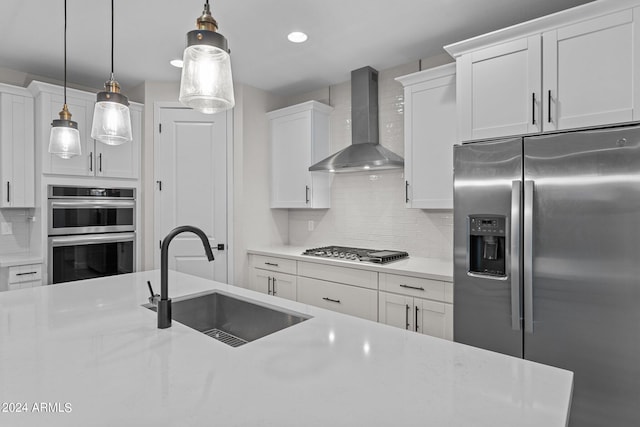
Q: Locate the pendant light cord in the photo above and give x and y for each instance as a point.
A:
(65, 52)
(112, 26)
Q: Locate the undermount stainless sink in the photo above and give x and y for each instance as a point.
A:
(230, 319)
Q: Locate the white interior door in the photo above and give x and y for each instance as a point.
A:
(191, 188)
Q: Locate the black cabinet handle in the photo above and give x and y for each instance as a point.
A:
(406, 317)
(269, 286)
(306, 194)
(24, 274)
(8, 192)
(337, 301)
(549, 112)
(91, 161)
(273, 286)
(416, 325)
(413, 287)
(271, 264)
(406, 191)
(100, 162)
(533, 108)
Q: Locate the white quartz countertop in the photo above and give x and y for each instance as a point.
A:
(94, 357)
(428, 268)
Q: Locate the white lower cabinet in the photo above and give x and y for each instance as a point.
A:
(20, 277)
(399, 305)
(274, 283)
(408, 302)
(415, 314)
(346, 299)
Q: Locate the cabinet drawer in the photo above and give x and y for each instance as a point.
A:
(416, 287)
(345, 299)
(270, 263)
(25, 273)
(351, 276)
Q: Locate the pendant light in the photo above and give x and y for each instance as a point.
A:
(206, 84)
(111, 116)
(65, 137)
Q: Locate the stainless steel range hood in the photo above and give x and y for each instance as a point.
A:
(364, 153)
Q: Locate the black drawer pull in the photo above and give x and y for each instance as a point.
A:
(406, 317)
(533, 109)
(271, 263)
(413, 287)
(332, 300)
(24, 274)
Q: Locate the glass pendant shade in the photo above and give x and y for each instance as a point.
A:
(64, 141)
(111, 119)
(206, 83)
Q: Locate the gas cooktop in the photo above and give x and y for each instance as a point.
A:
(357, 254)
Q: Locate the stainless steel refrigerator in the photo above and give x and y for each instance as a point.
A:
(547, 260)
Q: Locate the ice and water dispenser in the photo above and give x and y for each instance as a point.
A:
(487, 245)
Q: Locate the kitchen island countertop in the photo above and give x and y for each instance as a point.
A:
(94, 357)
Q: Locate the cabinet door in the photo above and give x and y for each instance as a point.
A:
(284, 286)
(260, 281)
(17, 151)
(82, 113)
(121, 161)
(396, 310)
(430, 133)
(434, 318)
(499, 89)
(591, 72)
(273, 283)
(338, 297)
(291, 158)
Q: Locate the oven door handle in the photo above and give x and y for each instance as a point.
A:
(91, 204)
(90, 239)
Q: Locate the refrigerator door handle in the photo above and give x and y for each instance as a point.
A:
(516, 200)
(528, 256)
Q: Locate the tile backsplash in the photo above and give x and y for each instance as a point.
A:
(367, 209)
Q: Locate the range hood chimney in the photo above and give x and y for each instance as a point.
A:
(364, 153)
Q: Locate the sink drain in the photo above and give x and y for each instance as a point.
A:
(225, 337)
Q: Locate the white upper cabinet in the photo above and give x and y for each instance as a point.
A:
(499, 89)
(299, 138)
(97, 159)
(572, 69)
(429, 135)
(591, 72)
(121, 161)
(17, 160)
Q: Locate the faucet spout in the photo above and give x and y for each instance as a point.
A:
(164, 305)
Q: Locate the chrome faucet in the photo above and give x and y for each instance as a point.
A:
(164, 305)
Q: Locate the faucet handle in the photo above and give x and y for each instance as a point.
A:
(154, 298)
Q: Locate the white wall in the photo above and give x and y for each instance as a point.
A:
(153, 92)
(367, 209)
(255, 224)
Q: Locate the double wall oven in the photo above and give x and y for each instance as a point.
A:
(92, 232)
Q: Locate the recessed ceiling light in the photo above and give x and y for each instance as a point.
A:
(297, 37)
(176, 63)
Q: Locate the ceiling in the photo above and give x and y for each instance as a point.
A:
(343, 35)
